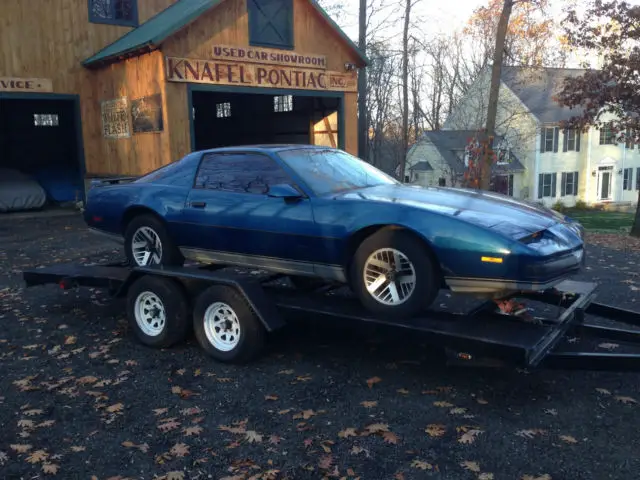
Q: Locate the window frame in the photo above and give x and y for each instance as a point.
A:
(133, 22)
(570, 147)
(604, 131)
(225, 108)
(553, 139)
(195, 186)
(564, 183)
(285, 101)
(553, 179)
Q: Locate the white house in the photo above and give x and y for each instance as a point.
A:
(547, 164)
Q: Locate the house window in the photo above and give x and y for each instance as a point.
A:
(223, 110)
(503, 184)
(571, 141)
(114, 12)
(442, 182)
(547, 185)
(271, 23)
(569, 184)
(46, 119)
(283, 103)
(549, 139)
(627, 179)
(606, 136)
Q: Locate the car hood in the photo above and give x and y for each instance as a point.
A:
(505, 215)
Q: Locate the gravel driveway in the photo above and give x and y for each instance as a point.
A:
(81, 399)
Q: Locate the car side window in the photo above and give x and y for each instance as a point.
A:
(240, 173)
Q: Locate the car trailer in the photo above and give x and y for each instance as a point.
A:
(231, 313)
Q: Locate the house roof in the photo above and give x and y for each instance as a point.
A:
(536, 87)
(451, 145)
(150, 35)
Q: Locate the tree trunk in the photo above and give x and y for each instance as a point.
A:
(635, 229)
(363, 123)
(405, 89)
(494, 90)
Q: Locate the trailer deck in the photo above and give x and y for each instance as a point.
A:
(566, 341)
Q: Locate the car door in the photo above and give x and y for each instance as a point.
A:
(230, 216)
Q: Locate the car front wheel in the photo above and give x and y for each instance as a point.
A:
(147, 243)
(394, 275)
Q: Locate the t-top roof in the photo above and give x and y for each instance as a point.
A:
(169, 21)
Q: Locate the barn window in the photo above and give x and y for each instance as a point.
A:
(46, 120)
(223, 110)
(283, 103)
(271, 23)
(114, 12)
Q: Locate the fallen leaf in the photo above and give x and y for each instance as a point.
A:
(20, 448)
(347, 432)
(377, 428)
(421, 464)
(472, 466)
(546, 476)
(485, 476)
(482, 401)
(603, 391)
(195, 430)
(115, 408)
(373, 380)
(253, 436)
(274, 439)
(76, 449)
(70, 340)
(568, 439)
(285, 372)
(197, 372)
(284, 412)
(530, 433)
(50, 468)
(369, 403)
(32, 412)
(470, 436)
(37, 456)
(167, 426)
(87, 380)
(399, 476)
(181, 371)
(403, 391)
(435, 430)
(457, 411)
(175, 475)
(442, 404)
(180, 450)
(160, 411)
(390, 437)
(625, 399)
(176, 389)
(306, 414)
(271, 397)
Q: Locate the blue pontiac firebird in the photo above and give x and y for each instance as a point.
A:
(320, 214)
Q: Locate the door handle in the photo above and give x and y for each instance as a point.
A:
(198, 204)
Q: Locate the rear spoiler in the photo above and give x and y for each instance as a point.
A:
(98, 182)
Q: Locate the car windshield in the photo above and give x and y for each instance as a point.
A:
(333, 171)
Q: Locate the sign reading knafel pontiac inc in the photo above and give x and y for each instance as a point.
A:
(16, 84)
(267, 56)
(251, 75)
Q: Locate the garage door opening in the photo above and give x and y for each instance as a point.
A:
(229, 119)
(39, 157)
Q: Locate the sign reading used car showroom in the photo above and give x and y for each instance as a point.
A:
(267, 56)
(248, 74)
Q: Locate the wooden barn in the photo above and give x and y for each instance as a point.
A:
(94, 88)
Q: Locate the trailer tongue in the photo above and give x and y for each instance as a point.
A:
(249, 306)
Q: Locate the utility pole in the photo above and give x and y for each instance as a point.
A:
(363, 121)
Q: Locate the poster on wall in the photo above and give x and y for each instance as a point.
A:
(115, 118)
(146, 114)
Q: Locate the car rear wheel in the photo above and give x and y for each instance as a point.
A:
(146, 243)
(393, 274)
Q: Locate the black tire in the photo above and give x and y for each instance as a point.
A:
(250, 334)
(427, 276)
(174, 301)
(170, 255)
(306, 283)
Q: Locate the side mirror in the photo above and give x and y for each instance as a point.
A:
(284, 190)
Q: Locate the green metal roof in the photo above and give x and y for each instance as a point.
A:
(158, 28)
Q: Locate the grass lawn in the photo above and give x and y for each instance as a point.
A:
(603, 221)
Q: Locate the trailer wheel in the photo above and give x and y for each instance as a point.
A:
(158, 311)
(226, 327)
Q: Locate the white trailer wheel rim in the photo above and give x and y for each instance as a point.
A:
(146, 247)
(389, 276)
(150, 314)
(222, 327)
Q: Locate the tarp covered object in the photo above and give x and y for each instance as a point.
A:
(19, 191)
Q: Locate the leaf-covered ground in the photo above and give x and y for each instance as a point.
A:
(81, 399)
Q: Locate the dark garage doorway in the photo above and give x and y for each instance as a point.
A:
(221, 119)
(39, 138)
